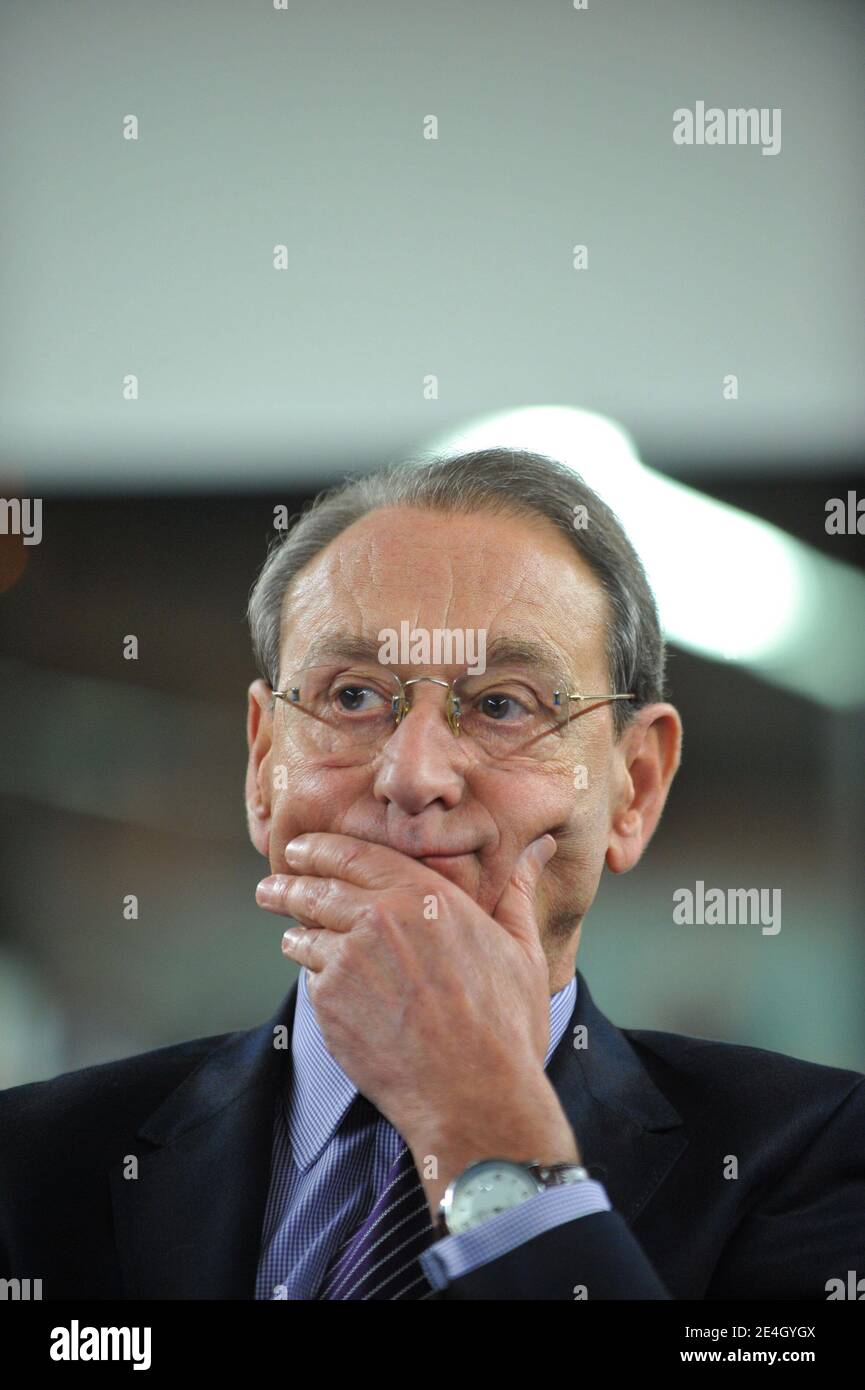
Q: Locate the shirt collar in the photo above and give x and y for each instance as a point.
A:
(321, 1092)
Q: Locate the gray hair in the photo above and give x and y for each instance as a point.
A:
(500, 481)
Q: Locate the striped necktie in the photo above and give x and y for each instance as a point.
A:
(381, 1258)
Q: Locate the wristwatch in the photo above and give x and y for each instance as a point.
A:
(496, 1184)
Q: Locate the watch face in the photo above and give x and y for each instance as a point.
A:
(484, 1190)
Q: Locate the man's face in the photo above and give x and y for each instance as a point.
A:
(424, 788)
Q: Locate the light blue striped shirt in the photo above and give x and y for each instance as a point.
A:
(327, 1169)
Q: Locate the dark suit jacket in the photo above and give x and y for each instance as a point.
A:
(657, 1117)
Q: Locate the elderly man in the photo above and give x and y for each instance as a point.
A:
(438, 1109)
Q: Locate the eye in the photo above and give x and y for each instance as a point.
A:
(351, 695)
(503, 706)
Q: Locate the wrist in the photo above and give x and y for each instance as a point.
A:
(532, 1127)
(491, 1186)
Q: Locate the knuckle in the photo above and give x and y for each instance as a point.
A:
(355, 854)
(383, 917)
(342, 967)
(315, 893)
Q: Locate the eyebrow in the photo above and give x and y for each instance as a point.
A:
(508, 647)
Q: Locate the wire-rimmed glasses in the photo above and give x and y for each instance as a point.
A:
(508, 710)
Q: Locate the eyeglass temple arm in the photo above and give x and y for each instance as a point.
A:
(574, 695)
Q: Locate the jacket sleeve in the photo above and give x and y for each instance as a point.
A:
(590, 1256)
(452, 1256)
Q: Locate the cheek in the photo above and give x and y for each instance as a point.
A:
(576, 803)
(575, 869)
(586, 828)
(567, 798)
(524, 803)
(309, 799)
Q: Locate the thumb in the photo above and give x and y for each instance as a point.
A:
(515, 909)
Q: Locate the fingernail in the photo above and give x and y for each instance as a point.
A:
(267, 893)
(547, 846)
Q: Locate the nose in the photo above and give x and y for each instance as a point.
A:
(422, 761)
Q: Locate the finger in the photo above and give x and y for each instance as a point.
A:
(355, 861)
(515, 908)
(321, 902)
(305, 946)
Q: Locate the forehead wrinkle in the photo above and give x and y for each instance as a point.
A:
(581, 648)
(346, 573)
(342, 643)
(307, 605)
(437, 587)
(436, 597)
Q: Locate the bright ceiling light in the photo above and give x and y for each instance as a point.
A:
(728, 585)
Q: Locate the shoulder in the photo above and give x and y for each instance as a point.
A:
(110, 1099)
(720, 1085)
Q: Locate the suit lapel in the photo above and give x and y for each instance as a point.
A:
(189, 1225)
(629, 1135)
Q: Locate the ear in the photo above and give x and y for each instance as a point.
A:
(648, 755)
(259, 738)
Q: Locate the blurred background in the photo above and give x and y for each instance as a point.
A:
(168, 377)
